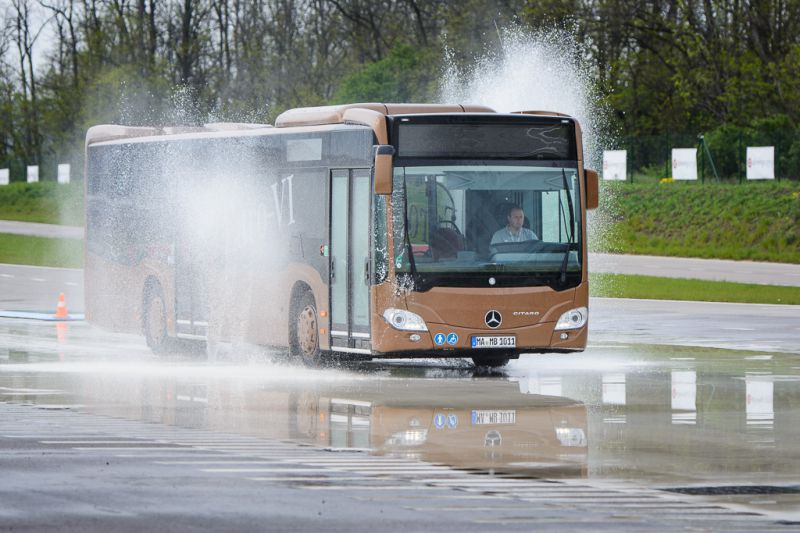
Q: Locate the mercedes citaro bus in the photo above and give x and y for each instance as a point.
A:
(374, 230)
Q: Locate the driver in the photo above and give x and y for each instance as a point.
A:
(514, 232)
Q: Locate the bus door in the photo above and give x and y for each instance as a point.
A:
(350, 228)
(191, 300)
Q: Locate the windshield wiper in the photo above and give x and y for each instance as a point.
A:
(565, 261)
(409, 249)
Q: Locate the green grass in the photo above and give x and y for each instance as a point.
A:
(46, 202)
(41, 251)
(753, 221)
(625, 286)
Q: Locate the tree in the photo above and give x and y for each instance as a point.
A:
(405, 75)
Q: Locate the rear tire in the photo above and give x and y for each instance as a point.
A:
(304, 332)
(154, 320)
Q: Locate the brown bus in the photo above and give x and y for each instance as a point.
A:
(374, 230)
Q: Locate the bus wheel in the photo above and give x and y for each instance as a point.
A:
(491, 361)
(154, 320)
(305, 341)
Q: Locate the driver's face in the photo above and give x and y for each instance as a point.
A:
(515, 219)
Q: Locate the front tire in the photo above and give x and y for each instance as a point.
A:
(490, 361)
(154, 321)
(304, 338)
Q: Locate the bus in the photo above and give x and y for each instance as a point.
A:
(480, 425)
(360, 230)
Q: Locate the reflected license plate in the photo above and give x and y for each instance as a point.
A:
(480, 418)
(505, 341)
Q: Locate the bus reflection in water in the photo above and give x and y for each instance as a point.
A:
(361, 229)
(471, 424)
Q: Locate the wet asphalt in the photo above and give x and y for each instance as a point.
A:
(642, 432)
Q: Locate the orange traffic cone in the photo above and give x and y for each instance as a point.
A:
(62, 328)
(61, 308)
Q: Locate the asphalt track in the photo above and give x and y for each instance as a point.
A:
(760, 273)
(97, 434)
(35, 229)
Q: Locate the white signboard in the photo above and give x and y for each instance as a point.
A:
(684, 163)
(759, 401)
(63, 173)
(615, 164)
(684, 390)
(684, 397)
(33, 173)
(614, 389)
(548, 386)
(761, 162)
(4, 176)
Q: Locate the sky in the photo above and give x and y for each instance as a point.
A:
(42, 23)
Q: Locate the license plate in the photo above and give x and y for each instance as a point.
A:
(482, 418)
(506, 341)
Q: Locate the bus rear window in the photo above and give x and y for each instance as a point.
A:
(544, 141)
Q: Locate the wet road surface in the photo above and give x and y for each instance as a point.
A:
(36, 229)
(97, 433)
(27, 288)
(758, 272)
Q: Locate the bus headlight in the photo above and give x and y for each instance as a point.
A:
(404, 320)
(573, 319)
(575, 437)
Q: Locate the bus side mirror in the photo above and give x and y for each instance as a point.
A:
(384, 153)
(592, 188)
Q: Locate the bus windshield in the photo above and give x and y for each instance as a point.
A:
(479, 225)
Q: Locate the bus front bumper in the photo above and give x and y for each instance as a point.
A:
(443, 340)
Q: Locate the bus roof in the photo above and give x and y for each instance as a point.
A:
(336, 114)
(113, 132)
(372, 115)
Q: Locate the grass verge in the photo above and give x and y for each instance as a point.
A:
(655, 288)
(47, 202)
(41, 251)
(753, 221)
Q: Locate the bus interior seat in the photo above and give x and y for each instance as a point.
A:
(446, 243)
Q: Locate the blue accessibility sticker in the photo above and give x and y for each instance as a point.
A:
(452, 421)
(439, 420)
(452, 339)
(439, 339)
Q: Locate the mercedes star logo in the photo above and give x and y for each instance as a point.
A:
(493, 319)
(492, 439)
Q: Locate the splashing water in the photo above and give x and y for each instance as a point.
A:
(540, 71)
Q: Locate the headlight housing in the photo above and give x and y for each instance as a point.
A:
(403, 320)
(573, 319)
(573, 437)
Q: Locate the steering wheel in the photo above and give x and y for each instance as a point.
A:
(449, 224)
(524, 247)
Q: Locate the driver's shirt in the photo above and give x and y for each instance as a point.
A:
(505, 235)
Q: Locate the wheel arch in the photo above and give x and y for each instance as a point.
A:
(299, 289)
